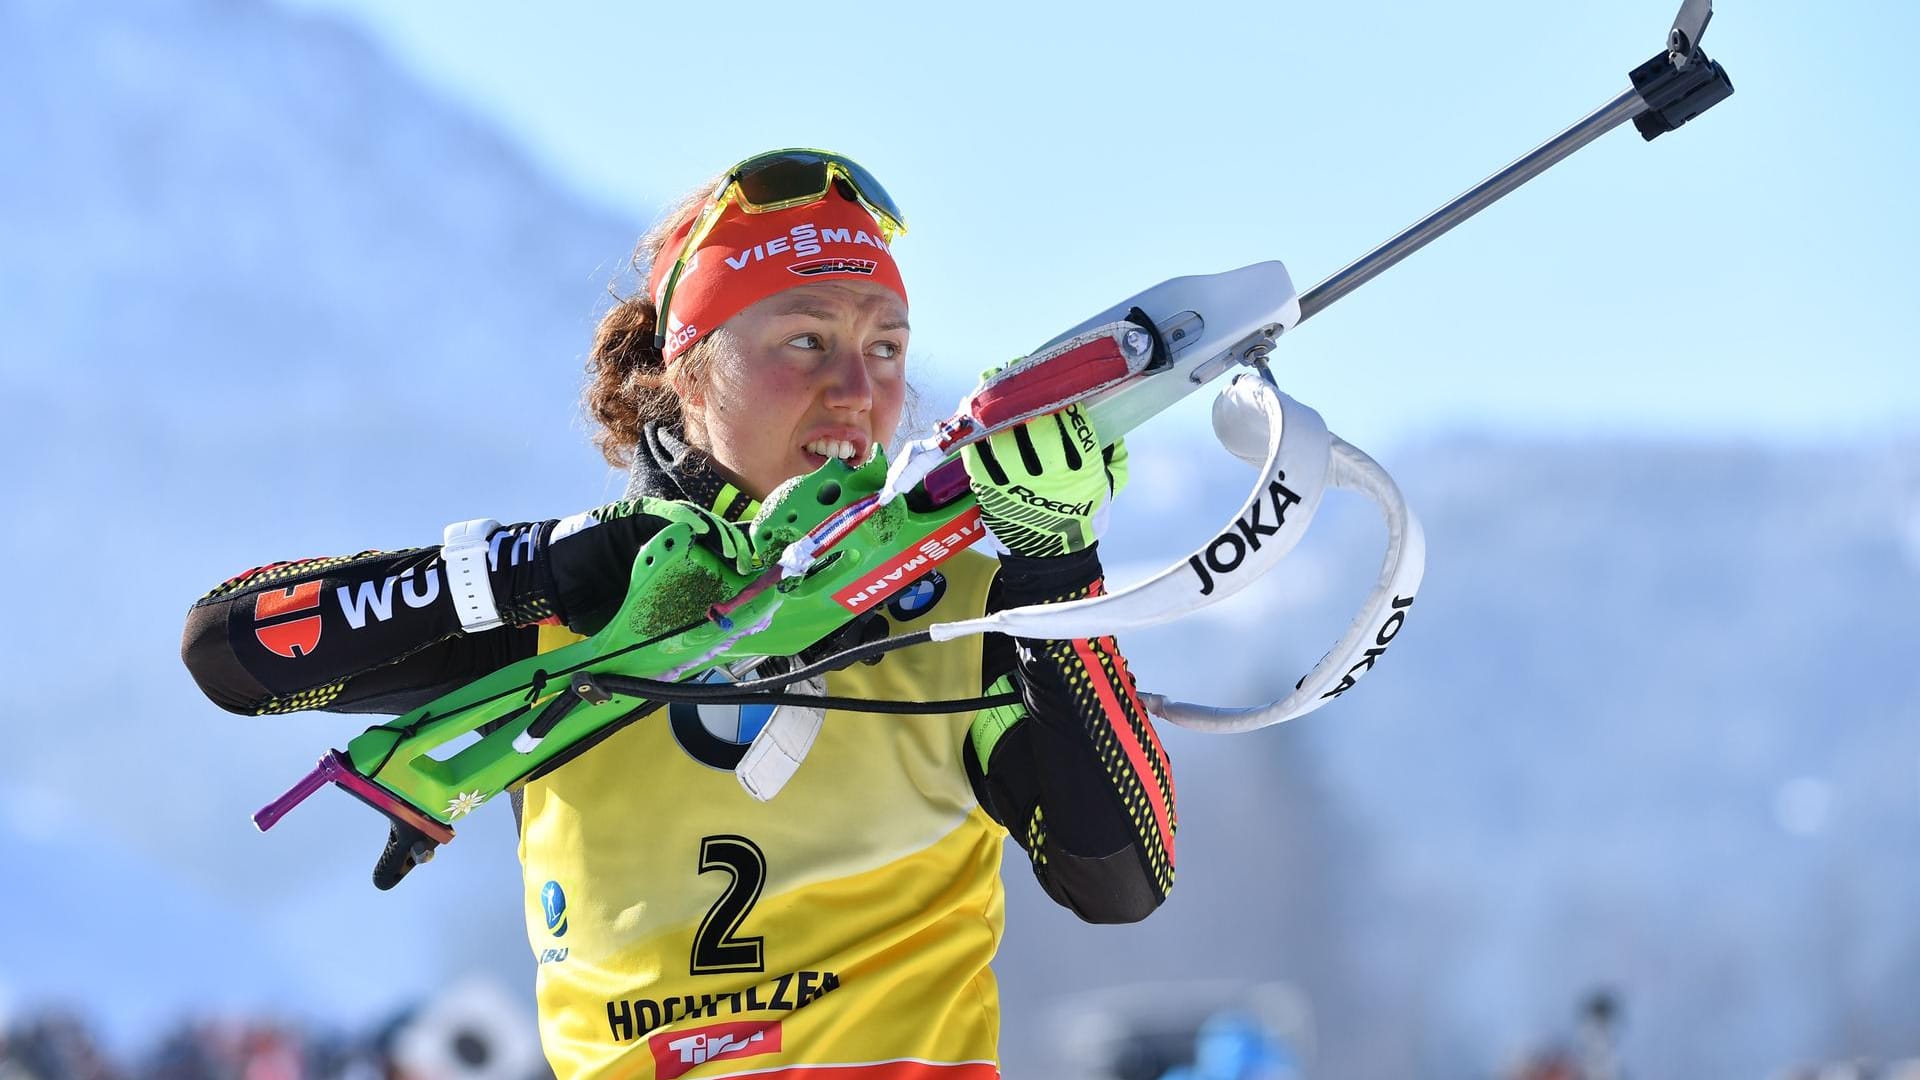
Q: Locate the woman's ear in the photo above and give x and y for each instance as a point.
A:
(691, 373)
(688, 376)
(685, 388)
(692, 392)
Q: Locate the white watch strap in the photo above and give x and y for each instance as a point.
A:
(463, 550)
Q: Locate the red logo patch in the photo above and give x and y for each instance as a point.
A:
(677, 1053)
(295, 637)
(912, 564)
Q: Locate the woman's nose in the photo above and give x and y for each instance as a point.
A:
(848, 384)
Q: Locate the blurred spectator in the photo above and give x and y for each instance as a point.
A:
(474, 1030)
(1234, 1045)
(1191, 1030)
(54, 1046)
(1854, 1069)
(486, 1038)
(248, 1050)
(1599, 1032)
(1555, 1064)
(1593, 1055)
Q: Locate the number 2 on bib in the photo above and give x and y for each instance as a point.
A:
(716, 949)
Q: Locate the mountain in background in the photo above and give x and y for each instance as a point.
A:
(260, 298)
(1654, 724)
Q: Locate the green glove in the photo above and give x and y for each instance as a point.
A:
(722, 537)
(1040, 483)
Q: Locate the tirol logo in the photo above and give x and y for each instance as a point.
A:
(292, 638)
(817, 267)
(912, 564)
(677, 1053)
(553, 901)
(918, 598)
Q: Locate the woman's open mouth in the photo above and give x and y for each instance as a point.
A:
(820, 451)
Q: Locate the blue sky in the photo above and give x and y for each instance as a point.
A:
(1748, 277)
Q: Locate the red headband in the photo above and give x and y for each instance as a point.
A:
(749, 257)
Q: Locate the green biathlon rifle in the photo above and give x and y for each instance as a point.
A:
(840, 541)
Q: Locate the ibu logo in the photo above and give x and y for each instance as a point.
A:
(553, 900)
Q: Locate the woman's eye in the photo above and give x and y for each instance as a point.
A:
(886, 350)
(805, 341)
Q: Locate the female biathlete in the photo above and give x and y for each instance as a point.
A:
(844, 928)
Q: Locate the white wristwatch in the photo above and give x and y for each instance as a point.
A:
(463, 550)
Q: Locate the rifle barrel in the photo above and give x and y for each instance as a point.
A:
(1475, 199)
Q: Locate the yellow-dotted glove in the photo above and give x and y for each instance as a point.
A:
(1040, 483)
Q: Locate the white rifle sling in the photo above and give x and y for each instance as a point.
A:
(1268, 524)
(1378, 623)
(1301, 460)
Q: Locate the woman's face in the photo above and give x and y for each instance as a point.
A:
(816, 371)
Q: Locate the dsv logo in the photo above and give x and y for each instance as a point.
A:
(816, 267)
(1229, 549)
(1388, 631)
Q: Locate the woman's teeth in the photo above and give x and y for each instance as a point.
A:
(831, 448)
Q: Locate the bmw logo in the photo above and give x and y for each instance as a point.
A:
(918, 598)
(554, 901)
(716, 736)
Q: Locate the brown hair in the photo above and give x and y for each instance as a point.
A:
(628, 384)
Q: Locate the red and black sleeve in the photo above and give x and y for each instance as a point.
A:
(372, 632)
(378, 631)
(1076, 773)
